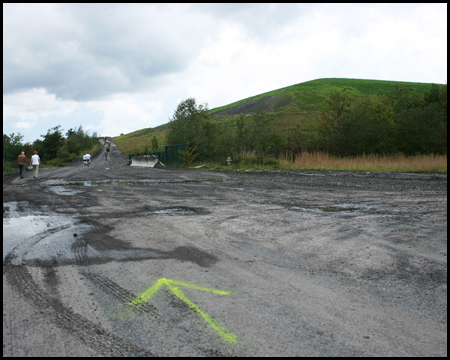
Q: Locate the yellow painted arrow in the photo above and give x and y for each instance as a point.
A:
(173, 286)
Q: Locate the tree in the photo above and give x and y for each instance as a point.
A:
(331, 121)
(53, 140)
(12, 141)
(11, 146)
(79, 140)
(155, 144)
(191, 122)
(433, 96)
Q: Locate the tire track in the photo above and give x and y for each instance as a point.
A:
(93, 335)
(79, 248)
(119, 293)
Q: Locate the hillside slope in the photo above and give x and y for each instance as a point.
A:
(309, 95)
(297, 105)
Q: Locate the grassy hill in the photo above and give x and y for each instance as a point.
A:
(301, 104)
(311, 92)
(297, 105)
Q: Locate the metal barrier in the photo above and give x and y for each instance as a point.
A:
(170, 156)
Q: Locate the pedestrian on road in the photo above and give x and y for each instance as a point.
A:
(35, 162)
(87, 159)
(22, 161)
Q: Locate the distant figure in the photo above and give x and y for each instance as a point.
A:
(107, 153)
(35, 162)
(22, 161)
(87, 159)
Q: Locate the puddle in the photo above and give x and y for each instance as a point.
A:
(85, 183)
(37, 237)
(59, 183)
(63, 190)
(338, 208)
(176, 211)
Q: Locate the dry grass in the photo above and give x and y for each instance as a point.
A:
(394, 163)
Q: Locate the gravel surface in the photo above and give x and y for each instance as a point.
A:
(114, 260)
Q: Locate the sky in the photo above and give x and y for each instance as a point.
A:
(118, 68)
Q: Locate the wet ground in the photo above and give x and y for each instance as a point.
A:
(113, 260)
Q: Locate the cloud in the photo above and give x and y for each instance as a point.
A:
(122, 67)
(25, 124)
(87, 51)
(34, 104)
(124, 114)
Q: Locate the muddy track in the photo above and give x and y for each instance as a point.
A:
(290, 263)
(93, 335)
(124, 296)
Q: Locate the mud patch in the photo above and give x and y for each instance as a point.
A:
(182, 253)
(97, 247)
(185, 253)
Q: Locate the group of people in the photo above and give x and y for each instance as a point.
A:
(36, 160)
(87, 156)
(22, 162)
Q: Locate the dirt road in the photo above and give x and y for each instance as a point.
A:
(113, 260)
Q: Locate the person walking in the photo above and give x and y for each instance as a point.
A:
(22, 161)
(35, 162)
(108, 149)
(87, 159)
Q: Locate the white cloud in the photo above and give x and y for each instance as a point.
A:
(35, 103)
(124, 114)
(25, 124)
(87, 51)
(91, 64)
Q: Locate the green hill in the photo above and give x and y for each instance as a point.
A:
(297, 105)
(301, 104)
(310, 93)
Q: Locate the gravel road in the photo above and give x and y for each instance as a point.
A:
(114, 260)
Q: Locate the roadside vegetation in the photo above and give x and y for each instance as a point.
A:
(326, 124)
(142, 141)
(54, 149)
(319, 161)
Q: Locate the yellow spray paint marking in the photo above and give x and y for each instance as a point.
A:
(172, 285)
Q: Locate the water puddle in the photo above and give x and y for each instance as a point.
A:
(339, 208)
(42, 237)
(30, 236)
(175, 211)
(59, 183)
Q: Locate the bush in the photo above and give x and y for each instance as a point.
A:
(9, 167)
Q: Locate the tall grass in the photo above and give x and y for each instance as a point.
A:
(394, 163)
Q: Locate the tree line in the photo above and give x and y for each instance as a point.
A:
(54, 148)
(396, 121)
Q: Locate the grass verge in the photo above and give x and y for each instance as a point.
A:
(324, 162)
(391, 163)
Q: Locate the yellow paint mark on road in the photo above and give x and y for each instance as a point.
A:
(173, 286)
